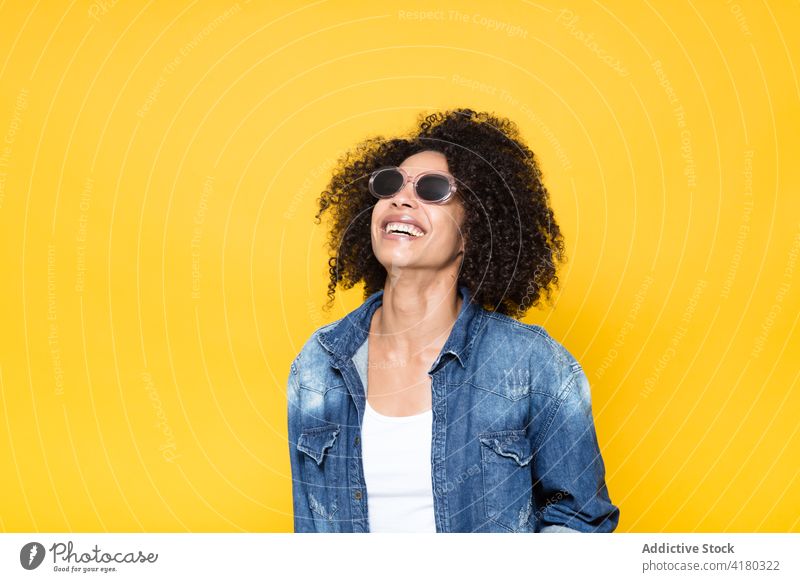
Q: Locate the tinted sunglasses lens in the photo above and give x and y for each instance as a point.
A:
(433, 188)
(386, 183)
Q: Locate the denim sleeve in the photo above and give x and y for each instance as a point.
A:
(303, 520)
(569, 474)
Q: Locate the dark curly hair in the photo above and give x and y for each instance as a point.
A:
(512, 240)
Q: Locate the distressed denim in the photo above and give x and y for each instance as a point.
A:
(513, 446)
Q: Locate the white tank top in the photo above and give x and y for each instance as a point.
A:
(396, 452)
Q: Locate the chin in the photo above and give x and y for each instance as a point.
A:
(396, 264)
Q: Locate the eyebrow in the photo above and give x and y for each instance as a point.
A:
(406, 168)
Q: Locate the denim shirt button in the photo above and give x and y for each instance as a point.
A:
(357, 440)
(357, 495)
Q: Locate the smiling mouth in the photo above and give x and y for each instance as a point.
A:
(403, 229)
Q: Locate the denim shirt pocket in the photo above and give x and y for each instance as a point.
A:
(318, 443)
(507, 478)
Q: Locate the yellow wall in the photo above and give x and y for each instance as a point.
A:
(159, 165)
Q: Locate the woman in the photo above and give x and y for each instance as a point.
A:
(430, 407)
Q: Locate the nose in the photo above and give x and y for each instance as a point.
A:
(406, 196)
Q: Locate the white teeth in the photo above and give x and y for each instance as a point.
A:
(403, 227)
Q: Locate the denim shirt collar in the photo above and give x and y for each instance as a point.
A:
(344, 338)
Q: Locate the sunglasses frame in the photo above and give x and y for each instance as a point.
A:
(450, 179)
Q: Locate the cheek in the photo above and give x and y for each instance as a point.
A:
(377, 211)
(448, 226)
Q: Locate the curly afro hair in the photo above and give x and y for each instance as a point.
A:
(512, 240)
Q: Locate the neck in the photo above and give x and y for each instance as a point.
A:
(415, 318)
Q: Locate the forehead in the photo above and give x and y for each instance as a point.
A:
(427, 160)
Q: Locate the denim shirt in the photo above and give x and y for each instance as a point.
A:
(513, 446)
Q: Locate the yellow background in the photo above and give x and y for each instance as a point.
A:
(159, 167)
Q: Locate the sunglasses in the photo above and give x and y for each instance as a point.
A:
(432, 187)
